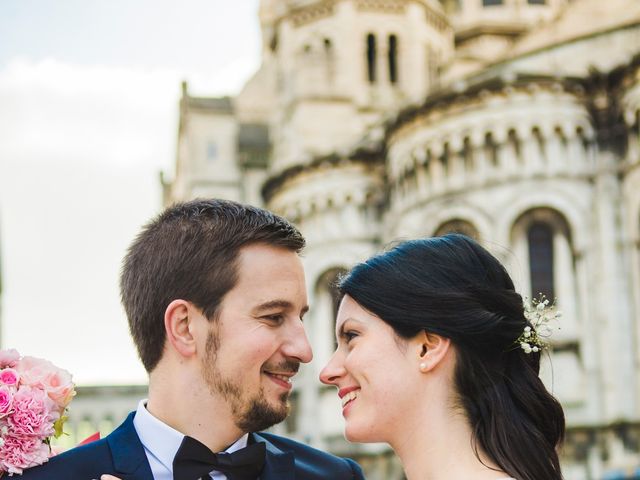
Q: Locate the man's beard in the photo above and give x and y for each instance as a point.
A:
(250, 413)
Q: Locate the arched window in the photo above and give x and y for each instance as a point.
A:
(371, 58)
(326, 303)
(515, 147)
(457, 226)
(467, 155)
(329, 60)
(491, 149)
(541, 242)
(540, 239)
(444, 159)
(393, 59)
(488, 3)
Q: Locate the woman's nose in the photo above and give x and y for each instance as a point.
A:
(333, 370)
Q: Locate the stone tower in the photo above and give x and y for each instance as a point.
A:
(486, 29)
(340, 65)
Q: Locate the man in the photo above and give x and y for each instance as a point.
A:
(215, 294)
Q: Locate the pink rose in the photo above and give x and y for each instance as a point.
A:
(9, 358)
(33, 414)
(9, 376)
(44, 374)
(6, 401)
(18, 453)
(33, 371)
(60, 388)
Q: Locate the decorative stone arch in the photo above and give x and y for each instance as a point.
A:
(315, 42)
(319, 262)
(560, 201)
(326, 299)
(458, 225)
(438, 216)
(568, 368)
(632, 232)
(392, 58)
(527, 242)
(571, 236)
(316, 52)
(371, 57)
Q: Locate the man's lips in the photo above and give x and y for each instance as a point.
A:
(282, 379)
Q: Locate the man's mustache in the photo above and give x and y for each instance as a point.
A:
(287, 366)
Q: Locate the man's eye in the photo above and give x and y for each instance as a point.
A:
(275, 318)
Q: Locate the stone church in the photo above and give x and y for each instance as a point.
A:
(513, 121)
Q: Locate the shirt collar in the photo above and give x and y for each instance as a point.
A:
(163, 441)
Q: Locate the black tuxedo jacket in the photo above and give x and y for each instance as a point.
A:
(122, 454)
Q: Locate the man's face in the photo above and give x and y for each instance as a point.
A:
(257, 342)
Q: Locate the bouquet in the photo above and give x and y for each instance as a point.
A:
(34, 395)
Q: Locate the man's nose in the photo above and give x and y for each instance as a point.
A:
(298, 346)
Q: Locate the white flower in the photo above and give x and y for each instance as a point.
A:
(535, 349)
(545, 330)
(527, 334)
(526, 347)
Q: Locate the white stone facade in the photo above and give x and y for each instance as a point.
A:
(372, 120)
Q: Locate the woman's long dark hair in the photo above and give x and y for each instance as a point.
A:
(453, 287)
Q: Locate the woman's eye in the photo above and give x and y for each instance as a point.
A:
(349, 335)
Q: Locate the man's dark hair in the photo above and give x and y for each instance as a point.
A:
(190, 252)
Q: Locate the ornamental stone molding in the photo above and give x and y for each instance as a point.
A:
(565, 199)
(318, 197)
(494, 138)
(423, 219)
(312, 12)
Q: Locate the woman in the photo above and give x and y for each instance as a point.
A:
(429, 360)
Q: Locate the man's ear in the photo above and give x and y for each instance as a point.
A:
(432, 349)
(179, 317)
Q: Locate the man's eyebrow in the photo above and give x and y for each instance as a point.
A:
(279, 304)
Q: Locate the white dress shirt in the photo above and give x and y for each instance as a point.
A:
(161, 443)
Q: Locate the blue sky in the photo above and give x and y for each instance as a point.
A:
(89, 94)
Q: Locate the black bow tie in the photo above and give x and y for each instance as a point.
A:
(194, 460)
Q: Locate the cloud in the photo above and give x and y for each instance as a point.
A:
(79, 162)
(56, 112)
(78, 177)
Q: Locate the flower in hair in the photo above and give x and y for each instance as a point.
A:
(539, 314)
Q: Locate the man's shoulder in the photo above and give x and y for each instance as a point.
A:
(309, 459)
(89, 461)
(81, 460)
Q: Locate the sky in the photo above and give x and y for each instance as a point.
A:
(89, 93)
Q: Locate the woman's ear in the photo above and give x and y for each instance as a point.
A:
(179, 317)
(432, 349)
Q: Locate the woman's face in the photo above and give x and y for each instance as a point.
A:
(375, 373)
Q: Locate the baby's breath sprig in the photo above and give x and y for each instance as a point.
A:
(540, 315)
